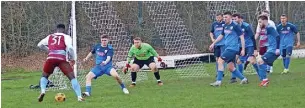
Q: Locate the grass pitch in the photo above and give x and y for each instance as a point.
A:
(284, 91)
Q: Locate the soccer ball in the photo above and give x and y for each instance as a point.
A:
(60, 97)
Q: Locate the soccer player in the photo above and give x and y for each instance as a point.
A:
(250, 47)
(286, 31)
(232, 32)
(103, 64)
(58, 46)
(272, 53)
(143, 54)
(216, 30)
(263, 38)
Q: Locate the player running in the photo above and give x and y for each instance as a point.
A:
(250, 47)
(232, 32)
(103, 64)
(58, 45)
(216, 30)
(263, 38)
(143, 54)
(286, 31)
(272, 53)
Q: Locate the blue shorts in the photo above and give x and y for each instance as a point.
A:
(218, 50)
(269, 58)
(249, 51)
(286, 51)
(99, 70)
(229, 55)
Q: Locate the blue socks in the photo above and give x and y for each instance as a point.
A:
(43, 84)
(88, 89)
(262, 71)
(240, 69)
(287, 62)
(238, 74)
(219, 75)
(76, 87)
(255, 67)
(122, 85)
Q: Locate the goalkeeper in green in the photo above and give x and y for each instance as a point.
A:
(143, 54)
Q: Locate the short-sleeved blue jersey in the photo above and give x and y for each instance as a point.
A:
(287, 34)
(231, 34)
(272, 35)
(101, 54)
(248, 34)
(216, 29)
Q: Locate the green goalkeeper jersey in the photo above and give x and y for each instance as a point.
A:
(143, 53)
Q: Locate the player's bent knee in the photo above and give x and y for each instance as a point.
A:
(90, 76)
(134, 67)
(260, 61)
(231, 67)
(153, 67)
(220, 61)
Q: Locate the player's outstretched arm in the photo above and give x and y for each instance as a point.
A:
(154, 53)
(88, 56)
(298, 40)
(43, 44)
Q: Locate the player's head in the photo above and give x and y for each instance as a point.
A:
(137, 42)
(104, 39)
(60, 28)
(284, 19)
(266, 12)
(263, 21)
(237, 17)
(227, 16)
(219, 17)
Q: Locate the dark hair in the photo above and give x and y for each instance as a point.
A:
(60, 26)
(283, 15)
(105, 36)
(219, 14)
(236, 15)
(137, 38)
(263, 17)
(266, 11)
(227, 13)
(242, 17)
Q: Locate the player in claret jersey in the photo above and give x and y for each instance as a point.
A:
(286, 31)
(143, 54)
(58, 45)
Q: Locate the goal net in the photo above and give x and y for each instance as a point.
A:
(170, 27)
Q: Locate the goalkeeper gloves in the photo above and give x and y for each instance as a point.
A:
(159, 59)
(125, 69)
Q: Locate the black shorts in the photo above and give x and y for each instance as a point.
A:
(141, 63)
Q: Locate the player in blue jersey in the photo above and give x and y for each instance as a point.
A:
(286, 31)
(103, 64)
(273, 51)
(250, 46)
(216, 30)
(232, 32)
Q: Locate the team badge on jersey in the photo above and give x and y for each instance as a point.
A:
(223, 25)
(288, 28)
(106, 51)
(243, 30)
(231, 27)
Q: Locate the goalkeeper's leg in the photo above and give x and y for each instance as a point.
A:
(115, 75)
(154, 69)
(134, 69)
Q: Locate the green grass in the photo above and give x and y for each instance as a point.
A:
(284, 91)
